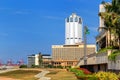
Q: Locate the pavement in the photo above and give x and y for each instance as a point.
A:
(41, 75)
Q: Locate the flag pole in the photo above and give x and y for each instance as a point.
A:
(85, 59)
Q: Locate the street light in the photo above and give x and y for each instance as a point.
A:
(86, 31)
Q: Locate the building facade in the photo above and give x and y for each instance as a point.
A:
(47, 60)
(69, 55)
(73, 29)
(100, 61)
(35, 58)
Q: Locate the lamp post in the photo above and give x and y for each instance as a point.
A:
(85, 40)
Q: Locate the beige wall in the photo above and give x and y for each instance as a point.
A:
(61, 52)
(70, 52)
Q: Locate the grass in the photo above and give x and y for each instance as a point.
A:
(61, 75)
(21, 74)
(55, 74)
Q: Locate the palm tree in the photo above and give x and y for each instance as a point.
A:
(112, 19)
(116, 21)
(107, 17)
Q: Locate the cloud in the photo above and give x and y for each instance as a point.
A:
(13, 11)
(21, 12)
(53, 17)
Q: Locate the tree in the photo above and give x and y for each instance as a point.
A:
(107, 17)
(40, 61)
(116, 21)
(112, 19)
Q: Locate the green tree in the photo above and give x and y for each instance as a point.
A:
(107, 17)
(116, 21)
(112, 19)
(40, 61)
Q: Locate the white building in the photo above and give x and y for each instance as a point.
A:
(33, 60)
(101, 21)
(73, 34)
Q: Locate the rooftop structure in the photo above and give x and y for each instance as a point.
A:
(73, 29)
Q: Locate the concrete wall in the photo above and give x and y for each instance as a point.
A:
(114, 65)
(101, 58)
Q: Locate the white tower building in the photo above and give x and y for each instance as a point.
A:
(73, 33)
(101, 21)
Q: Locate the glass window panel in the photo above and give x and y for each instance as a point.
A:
(71, 19)
(80, 20)
(67, 19)
(76, 19)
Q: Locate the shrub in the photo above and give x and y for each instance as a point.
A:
(103, 50)
(73, 70)
(85, 70)
(118, 75)
(91, 77)
(113, 55)
(23, 66)
(35, 66)
(60, 67)
(49, 66)
(80, 73)
(106, 76)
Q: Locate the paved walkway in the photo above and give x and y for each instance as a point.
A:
(41, 75)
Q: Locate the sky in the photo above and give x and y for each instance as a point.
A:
(32, 26)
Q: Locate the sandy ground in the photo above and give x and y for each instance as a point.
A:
(3, 78)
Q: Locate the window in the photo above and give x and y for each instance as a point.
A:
(71, 19)
(67, 19)
(80, 21)
(76, 19)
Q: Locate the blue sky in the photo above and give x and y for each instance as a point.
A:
(32, 26)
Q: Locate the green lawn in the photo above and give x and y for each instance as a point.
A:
(55, 74)
(21, 74)
(61, 75)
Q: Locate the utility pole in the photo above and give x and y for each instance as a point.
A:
(85, 40)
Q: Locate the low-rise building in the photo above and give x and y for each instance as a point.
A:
(39, 59)
(33, 60)
(69, 55)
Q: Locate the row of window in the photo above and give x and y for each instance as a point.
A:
(73, 38)
(76, 19)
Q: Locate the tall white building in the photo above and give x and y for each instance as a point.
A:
(101, 21)
(73, 31)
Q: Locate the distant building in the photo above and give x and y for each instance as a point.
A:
(73, 31)
(47, 60)
(34, 59)
(70, 53)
